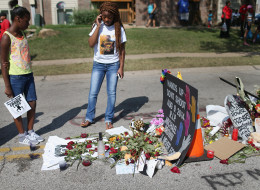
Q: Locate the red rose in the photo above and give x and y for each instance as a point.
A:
(132, 161)
(127, 162)
(89, 142)
(126, 133)
(106, 147)
(150, 142)
(86, 163)
(175, 169)
(88, 146)
(157, 154)
(112, 149)
(257, 149)
(66, 153)
(71, 143)
(147, 155)
(67, 138)
(147, 139)
(224, 161)
(95, 149)
(84, 135)
(69, 147)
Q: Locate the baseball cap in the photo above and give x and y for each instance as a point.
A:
(249, 6)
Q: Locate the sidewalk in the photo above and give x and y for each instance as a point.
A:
(147, 56)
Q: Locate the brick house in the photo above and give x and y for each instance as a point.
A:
(131, 11)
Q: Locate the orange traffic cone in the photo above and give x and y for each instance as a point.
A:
(196, 148)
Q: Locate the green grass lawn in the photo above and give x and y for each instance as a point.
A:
(72, 42)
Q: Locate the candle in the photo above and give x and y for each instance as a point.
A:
(210, 154)
(235, 134)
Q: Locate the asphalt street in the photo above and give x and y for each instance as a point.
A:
(61, 106)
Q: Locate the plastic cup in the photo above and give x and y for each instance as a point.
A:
(210, 154)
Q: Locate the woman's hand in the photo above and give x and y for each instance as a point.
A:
(121, 72)
(9, 92)
(99, 19)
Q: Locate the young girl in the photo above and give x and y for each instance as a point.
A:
(17, 71)
(249, 20)
(108, 39)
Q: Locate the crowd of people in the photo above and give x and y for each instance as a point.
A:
(244, 18)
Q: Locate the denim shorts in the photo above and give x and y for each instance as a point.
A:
(23, 84)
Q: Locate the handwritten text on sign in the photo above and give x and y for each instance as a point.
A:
(239, 116)
(179, 105)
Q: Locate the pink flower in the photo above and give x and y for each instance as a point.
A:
(175, 169)
(83, 135)
(150, 142)
(160, 120)
(160, 111)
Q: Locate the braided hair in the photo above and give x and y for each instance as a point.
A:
(17, 10)
(113, 9)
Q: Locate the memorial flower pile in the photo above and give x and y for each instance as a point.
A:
(85, 152)
(129, 147)
(156, 124)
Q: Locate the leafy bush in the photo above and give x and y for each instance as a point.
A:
(85, 16)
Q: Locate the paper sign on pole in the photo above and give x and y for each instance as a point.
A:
(17, 106)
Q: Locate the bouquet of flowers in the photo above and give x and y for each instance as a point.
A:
(156, 124)
(85, 152)
(129, 148)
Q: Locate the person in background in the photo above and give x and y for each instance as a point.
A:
(151, 12)
(183, 12)
(17, 70)
(210, 18)
(242, 12)
(235, 18)
(5, 24)
(226, 18)
(108, 39)
(248, 22)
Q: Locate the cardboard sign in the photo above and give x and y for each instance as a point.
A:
(180, 111)
(224, 147)
(17, 106)
(239, 116)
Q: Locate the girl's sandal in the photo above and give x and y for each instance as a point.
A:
(109, 125)
(85, 124)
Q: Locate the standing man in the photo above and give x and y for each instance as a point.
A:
(183, 11)
(243, 11)
(5, 24)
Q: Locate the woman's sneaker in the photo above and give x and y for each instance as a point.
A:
(26, 139)
(33, 135)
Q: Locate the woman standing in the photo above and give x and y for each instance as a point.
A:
(151, 12)
(108, 40)
(226, 18)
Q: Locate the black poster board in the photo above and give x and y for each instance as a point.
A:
(180, 114)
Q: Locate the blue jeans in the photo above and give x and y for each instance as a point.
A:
(99, 71)
(23, 84)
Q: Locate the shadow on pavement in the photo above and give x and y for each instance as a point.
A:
(10, 131)
(61, 120)
(127, 106)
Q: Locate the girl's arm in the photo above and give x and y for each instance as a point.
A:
(122, 61)
(5, 46)
(154, 7)
(93, 40)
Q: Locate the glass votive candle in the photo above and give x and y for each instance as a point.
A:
(63, 165)
(210, 154)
